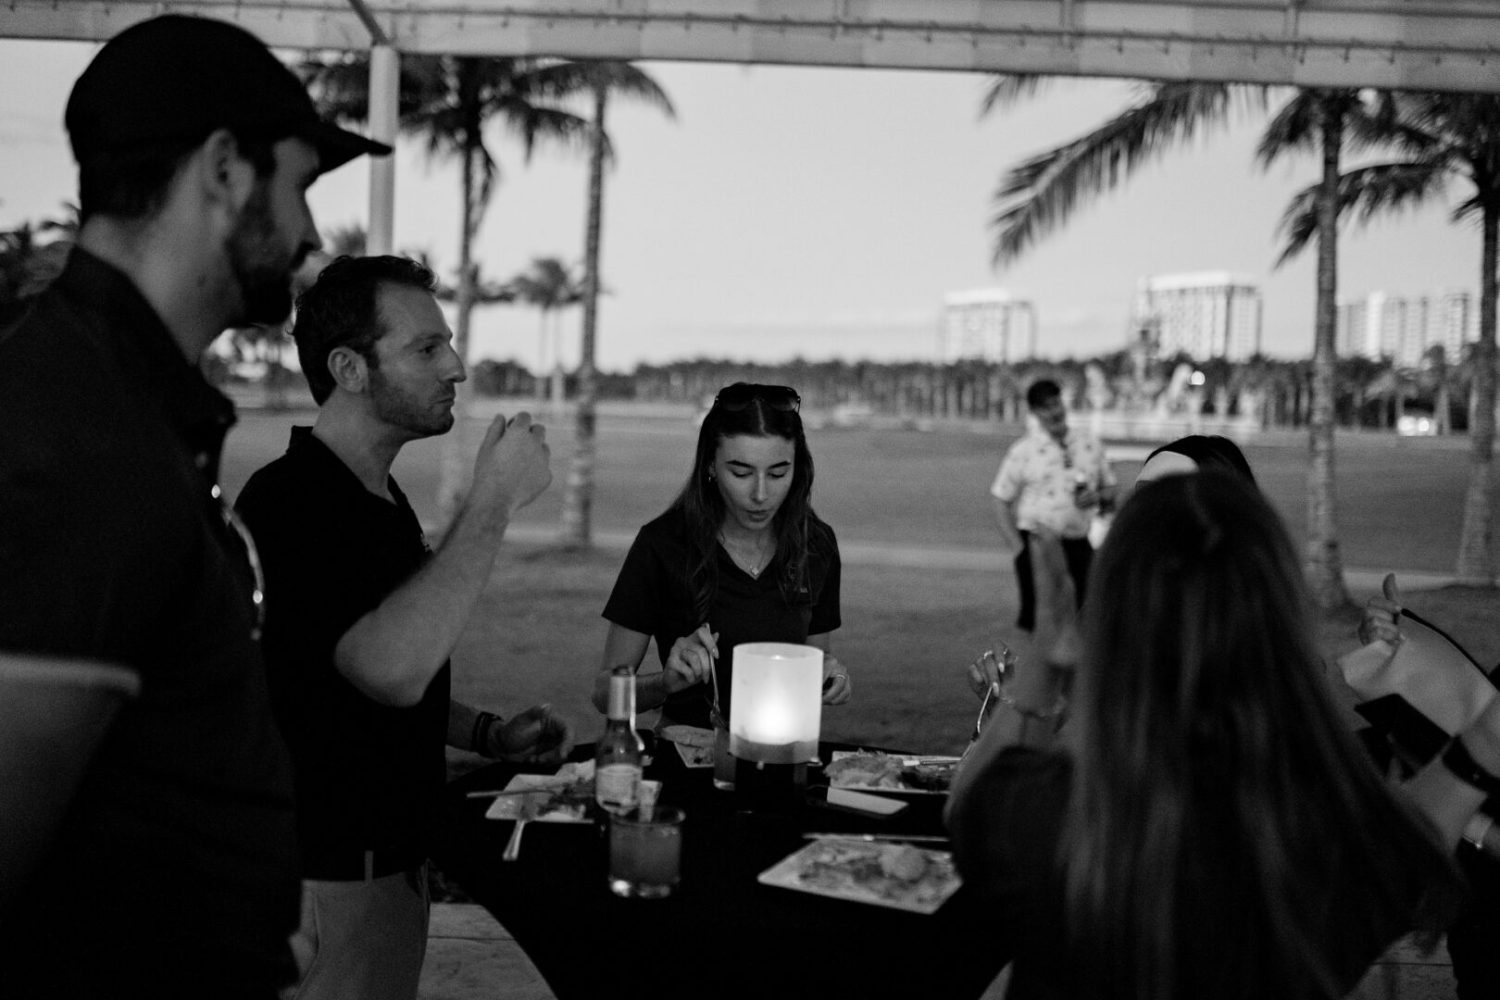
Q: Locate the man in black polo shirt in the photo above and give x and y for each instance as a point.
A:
(146, 830)
(361, 617)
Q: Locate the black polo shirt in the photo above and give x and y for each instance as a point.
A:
(653, 595)
(369, 776)
(175, 867)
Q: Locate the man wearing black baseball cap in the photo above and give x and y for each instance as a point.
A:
(147, 845)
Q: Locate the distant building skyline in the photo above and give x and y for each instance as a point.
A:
(1402, 328)
(987, 324)
(1204, 314)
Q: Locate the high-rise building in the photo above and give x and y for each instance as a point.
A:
(1209, 314)
(987, 324)
(1404, 328)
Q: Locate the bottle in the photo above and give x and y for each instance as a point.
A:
(617, 758)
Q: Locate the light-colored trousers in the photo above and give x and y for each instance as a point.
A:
(361, 940)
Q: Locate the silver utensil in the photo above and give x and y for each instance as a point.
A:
(500, 792)
(914, 838)
(529, 808)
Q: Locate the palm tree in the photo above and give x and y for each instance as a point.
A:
(1038, 195)
(578, 488)
(548, 284)
(1441, 136)
(448, 100)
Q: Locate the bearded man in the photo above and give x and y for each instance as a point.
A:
(362, 617)
(147, 846)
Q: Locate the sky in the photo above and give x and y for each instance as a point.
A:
(820, 213)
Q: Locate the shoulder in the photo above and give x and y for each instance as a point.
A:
(821, 540)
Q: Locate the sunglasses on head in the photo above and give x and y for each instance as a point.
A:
(777, 397)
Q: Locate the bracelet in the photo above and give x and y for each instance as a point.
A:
(1464, 767)
(481, 731)
(1027, 712)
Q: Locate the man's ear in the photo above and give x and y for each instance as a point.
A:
(350, 369)
(227, 176)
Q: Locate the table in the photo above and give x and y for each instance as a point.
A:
(722, 934)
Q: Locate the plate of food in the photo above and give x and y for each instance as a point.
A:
(564, 797)
(870, 771)
(694, 744)
(881, 873)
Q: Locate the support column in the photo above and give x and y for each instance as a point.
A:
(385, 82)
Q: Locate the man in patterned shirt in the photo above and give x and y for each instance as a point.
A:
(1053, 480)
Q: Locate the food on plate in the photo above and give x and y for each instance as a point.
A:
(905, 863)
(890, 771)
(930, 777)
(865, 770)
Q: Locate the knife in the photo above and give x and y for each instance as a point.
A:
(915, 838)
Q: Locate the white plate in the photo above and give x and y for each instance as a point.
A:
(865, 872)
(509, 806)
(688, 736)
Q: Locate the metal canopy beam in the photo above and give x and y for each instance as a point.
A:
(1415, 44)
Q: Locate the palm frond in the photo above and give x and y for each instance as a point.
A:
(1007, 89)
(1041, 193)
(1379, 189)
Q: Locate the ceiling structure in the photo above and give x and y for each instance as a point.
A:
(1413, 44)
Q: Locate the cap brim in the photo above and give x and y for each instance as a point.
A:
(337, 146)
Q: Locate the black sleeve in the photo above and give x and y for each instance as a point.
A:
(636, 601)
(825, 613)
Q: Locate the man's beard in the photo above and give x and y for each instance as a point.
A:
(395, 407)
(264, 275)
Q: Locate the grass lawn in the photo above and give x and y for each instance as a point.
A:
(908, 633)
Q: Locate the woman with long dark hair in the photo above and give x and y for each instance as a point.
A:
(1203, 825)
(739, 556)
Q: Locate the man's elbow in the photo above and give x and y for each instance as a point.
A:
(395, 688)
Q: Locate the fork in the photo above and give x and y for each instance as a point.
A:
(529, 807)
(984, 706)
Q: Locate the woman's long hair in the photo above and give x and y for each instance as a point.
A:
(798, 529)
(1226, 836)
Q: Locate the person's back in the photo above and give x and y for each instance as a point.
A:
(1210, 829)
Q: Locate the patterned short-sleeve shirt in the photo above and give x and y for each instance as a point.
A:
(1038, 476)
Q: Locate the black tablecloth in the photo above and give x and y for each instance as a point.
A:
(722, 934)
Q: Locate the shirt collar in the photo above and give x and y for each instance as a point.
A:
(140, 344)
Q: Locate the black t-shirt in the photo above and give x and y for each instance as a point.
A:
(652, 595)
(368, 776)
(175, 868)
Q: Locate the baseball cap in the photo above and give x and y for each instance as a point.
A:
(179, 77)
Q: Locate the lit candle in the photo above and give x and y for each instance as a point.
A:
(776, 708)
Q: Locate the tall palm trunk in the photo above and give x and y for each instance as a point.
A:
(1324, 566)
(454, 468)
(578, 492)
(1474, 543)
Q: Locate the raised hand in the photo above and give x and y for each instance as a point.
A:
(533, 735)
(512, 467)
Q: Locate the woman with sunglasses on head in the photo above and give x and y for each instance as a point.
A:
(739, 556)
(1203, 825)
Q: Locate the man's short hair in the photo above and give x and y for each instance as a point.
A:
(1042, 392)
(159, 88)
(341, 309)
(132, 183)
